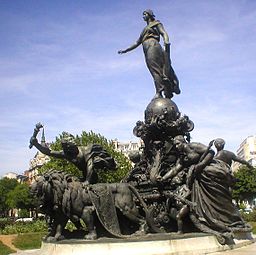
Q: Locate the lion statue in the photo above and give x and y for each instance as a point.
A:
(63, 197)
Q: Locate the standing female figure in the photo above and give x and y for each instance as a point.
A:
(157, 59)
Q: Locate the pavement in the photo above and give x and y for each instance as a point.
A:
(245, 250)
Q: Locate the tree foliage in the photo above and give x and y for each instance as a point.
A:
(20, 197)
(14, 195)
(6, 185)
(123, 163)
(245, 186)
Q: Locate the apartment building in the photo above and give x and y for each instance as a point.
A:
(246, 151)
(127, 147)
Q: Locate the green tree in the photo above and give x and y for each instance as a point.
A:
(245, 186)
(123, 163)
(6, 185)
(20, 197)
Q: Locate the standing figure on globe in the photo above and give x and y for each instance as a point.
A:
(157, 60)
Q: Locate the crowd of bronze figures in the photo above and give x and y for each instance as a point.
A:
(175, 185)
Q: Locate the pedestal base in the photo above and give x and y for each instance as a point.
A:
(157, 244)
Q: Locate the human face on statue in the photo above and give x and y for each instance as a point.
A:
(146, 16)
(69, 148)
(179, 146)
(179, 143)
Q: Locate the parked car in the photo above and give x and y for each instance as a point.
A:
(24, 220)
(247, 210)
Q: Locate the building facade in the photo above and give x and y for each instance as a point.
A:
(127, 147)
(35, 164)
(19, 177)
(246, 151)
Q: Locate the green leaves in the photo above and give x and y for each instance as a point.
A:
(20, 197)
(14, 195)
(24, 227)
(6, 186)
(245, 187)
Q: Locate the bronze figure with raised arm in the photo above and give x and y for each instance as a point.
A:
(157, 60)
(88, 159)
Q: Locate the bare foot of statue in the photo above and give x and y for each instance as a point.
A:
(158, 95)
(176, 89)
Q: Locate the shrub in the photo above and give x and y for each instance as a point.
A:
(4, 222)
(71, 227)
(251, 216)
(253, 224)
(25, 227)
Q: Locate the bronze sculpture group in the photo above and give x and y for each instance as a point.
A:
(175, 185)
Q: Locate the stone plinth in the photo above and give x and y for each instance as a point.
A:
(157, 244)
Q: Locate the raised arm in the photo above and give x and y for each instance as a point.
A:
(45, 150)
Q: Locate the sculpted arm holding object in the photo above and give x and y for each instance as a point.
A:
(45, 150)
(88, 159)
(42, 148)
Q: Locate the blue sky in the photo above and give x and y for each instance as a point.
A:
(59, 65)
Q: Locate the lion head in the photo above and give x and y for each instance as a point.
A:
(49, 189)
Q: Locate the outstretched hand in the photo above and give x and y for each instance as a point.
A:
(39, 125)
(121, 51)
